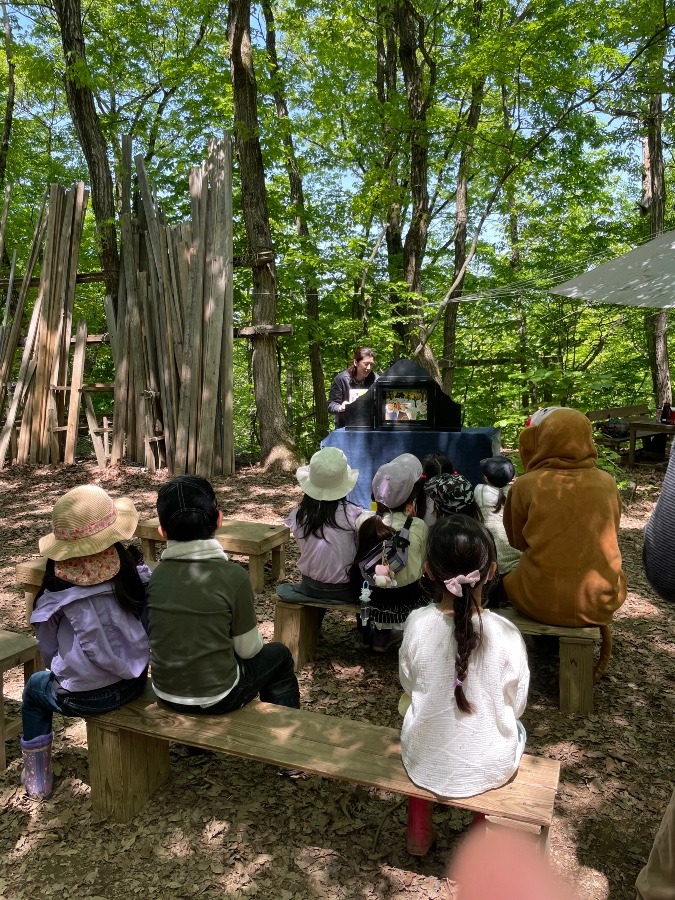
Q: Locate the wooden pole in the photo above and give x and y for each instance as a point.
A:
(75, 388)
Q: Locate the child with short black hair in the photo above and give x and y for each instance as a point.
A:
(465, 676)
(207, 653)
(498, 473)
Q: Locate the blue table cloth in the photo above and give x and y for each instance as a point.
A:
(368, 450)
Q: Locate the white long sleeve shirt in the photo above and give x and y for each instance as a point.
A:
(449, 752)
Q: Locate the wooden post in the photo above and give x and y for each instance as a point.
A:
(75, 389)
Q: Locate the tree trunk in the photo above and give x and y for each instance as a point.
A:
(9, 104)
(275, 443)
(462, 217)
(80, 99)
(656, 323)
(310, 277)
(419, 76)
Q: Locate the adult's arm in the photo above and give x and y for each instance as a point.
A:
(339, 392)
(659, 546)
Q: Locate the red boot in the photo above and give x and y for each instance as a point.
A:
(421, 833)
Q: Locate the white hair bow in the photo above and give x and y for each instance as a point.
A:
(454, 585)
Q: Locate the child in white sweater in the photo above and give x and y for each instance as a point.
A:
(464, 671)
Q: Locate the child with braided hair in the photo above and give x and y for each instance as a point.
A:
(465, 675)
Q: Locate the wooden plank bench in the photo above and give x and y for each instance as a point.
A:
(577, 651)
(253, 539)
(15, 650)
(129, 758)
(297, 626)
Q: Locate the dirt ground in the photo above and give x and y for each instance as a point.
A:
(224, 827)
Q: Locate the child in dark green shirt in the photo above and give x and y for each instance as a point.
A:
(206, 652)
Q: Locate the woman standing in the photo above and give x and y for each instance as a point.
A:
(359, 376)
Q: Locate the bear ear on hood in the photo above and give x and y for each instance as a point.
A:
(527, 444)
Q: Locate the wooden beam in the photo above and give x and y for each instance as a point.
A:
(257, 330)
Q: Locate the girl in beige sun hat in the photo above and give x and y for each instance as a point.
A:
(89, 623)
(324, 525)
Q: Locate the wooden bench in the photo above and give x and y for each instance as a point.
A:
(15, 650)
(577, 651)
(625, 413)
(253, 539)
(129, 758)
(297, 626)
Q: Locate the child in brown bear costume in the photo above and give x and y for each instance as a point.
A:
(563, 513)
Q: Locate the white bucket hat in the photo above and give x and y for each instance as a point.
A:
(86, 521)
(328, 475)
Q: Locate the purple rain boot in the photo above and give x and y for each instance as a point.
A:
(37, 776)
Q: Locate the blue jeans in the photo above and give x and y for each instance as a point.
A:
(269, 673)
(42, 697)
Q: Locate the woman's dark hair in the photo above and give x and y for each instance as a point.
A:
(457, 545)
(128, 588)
(359, 354)
(371, 533)
(433, 464)
(314, 515)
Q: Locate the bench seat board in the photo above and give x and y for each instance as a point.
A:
(355, 752)
(235, 536)
(529, 626)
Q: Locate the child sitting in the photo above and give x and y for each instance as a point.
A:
(393, 490)
(452, 494)
(207, 653)
(563, 513)
(324, 525)
(433, 464)
(498, 473)
(465, 676)
(87, 617)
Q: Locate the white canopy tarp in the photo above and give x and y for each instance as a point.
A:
(642, 277)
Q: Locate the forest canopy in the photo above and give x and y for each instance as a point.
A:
(431, 169)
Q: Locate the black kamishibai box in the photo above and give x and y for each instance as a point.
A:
(404, 397)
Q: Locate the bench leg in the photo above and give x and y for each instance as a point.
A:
(125, 770)
(539, 835)
(576, 675)
(256, 571)
(149, 550)
(279, 562)
(297, 626)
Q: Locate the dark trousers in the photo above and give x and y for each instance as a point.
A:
(268, 674)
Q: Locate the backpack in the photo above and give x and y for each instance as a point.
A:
(394, 549)
(614, 429)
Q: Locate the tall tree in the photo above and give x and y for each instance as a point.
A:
(275, 442)
(309, 248)
(80, 96)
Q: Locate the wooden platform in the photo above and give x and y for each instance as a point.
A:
(129, 758)
(256, 540)
(15, 650)
(577, 651)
